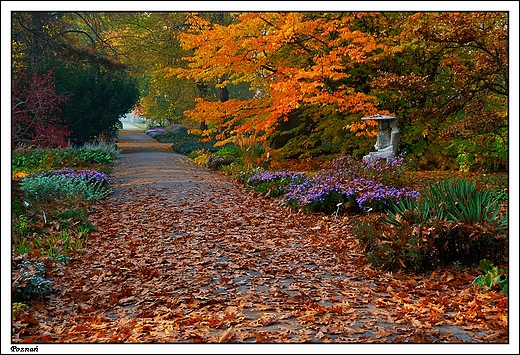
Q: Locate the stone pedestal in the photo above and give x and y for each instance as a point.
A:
(387, 138)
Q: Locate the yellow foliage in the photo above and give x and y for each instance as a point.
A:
(19, 175)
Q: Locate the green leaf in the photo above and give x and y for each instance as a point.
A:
(485, 265)
(504, 286)
(479, 280)
(488, 280)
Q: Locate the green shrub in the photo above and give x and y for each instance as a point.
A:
(215, 162)
(230, 151)
(28, 160)
(453, 201)
(96, 156)
(40, 189)
(17, 205)
(29, 281)
(245, 155)
(452, 221)
(185, 144)
(464, 201)
(102, 146)
(196, 153)
(32, 160)
(487, 152)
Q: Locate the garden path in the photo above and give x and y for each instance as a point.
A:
(182, 254)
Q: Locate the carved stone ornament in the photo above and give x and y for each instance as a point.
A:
(387, 138)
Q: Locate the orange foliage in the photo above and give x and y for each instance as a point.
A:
(288, 59)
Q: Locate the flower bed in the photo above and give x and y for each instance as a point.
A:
(347, 183)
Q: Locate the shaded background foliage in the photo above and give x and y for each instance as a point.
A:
(98, 98)
(93, 85)
(444, 74)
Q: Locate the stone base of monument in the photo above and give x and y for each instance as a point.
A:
(374, 156)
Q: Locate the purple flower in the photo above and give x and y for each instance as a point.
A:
(89, 175)
(366, 184)
(269, 176)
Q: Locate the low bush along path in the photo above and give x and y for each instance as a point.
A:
(182, 254)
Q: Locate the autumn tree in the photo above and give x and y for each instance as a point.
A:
(301, 80)
(443, 74)
(289, 61)
(446, 77)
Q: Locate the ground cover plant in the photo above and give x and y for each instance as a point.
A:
(52, 190)
(97, 154)
(493, 277)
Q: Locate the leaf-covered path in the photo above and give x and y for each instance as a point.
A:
(182, 254)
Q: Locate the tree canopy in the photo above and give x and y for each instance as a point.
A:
(307, 76)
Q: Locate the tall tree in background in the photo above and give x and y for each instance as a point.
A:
(148, 42)
(305, 77)
(98, 98)
(443, 74)
(70, 36)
